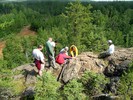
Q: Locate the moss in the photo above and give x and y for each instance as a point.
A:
(18, 86)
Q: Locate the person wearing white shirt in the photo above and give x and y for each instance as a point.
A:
(110, 50)
(111, 47)
(39, 59)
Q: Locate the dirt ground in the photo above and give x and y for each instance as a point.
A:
(2, 45)
(26, 31)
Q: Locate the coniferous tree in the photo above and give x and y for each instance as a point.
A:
(78, 18)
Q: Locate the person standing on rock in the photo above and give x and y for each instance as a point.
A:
(110, 50)
(50, 53)
(39, 59)
(54, 43)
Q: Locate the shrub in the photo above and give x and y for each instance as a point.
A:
(125, 87)
(93, 83)
(47, 87)
(73, 91)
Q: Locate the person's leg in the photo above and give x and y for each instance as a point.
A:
(41, 70)
(53, 62)
(42, 67)
(38, 65)
(49, 60)
(104, 55)
(107, 54)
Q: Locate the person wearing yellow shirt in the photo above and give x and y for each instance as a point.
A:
(73, 51)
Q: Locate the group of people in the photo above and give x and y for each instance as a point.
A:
(62, 57)
(39, 58)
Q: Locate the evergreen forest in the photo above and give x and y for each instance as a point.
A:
(88, 25)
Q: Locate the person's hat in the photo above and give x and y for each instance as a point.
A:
(109, 41)
(66, 48)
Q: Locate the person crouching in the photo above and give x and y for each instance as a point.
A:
(62, 58)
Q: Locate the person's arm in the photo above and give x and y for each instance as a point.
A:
(42, 58)
(66, 56)
(71, 52)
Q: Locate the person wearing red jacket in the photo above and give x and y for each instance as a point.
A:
(62, 57)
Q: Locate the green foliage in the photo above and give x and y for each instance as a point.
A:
(11, 50)
(10, 21)
(125, 87)
(18, 51)
(78, 18)
(130, 37)
(7, 82)
(47, 87)
(73, 91)
(3, 64)
(93, 83)
(87, 26)
(27, 43)
(6, 21)
(20, 20)
(5, 79)
(56, 34)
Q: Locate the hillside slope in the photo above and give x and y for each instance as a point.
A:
(26, 31)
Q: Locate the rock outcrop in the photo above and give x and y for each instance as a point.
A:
(119, 62)
(112, 66)
(85, 61)
(29, 73)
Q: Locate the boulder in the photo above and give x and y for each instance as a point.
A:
(84, 61)
(5, 94)
(112, 66)
(28, 73)
(118, 62)
(105, 97)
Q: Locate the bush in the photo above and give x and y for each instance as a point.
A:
(18, 50)
(93, 83)
(47, 87)
(125, 87)
(73, 91)
(7, 83)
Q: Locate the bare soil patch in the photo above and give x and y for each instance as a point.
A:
(2, 45)
(26, 31)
